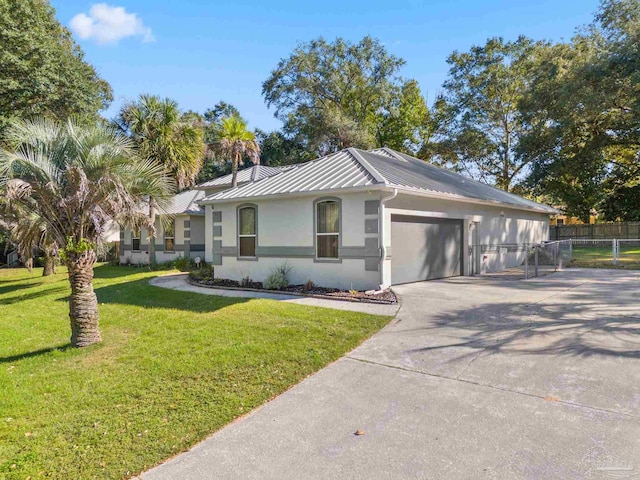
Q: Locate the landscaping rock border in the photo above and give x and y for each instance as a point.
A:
(346, 297)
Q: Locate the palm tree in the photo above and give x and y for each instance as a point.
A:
(157, 128)
(28, 232)
(76, 180)
(237, 142)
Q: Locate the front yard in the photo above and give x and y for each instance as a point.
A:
(172, 368)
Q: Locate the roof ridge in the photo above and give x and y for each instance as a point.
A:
(428, 165)
(391, 152)
(367, 166)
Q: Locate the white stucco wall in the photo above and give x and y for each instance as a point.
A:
(141, 257)
(289, 223)
(197, 230)
(286, 223)
(494, 224)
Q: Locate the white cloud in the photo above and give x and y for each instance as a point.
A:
(107, 24)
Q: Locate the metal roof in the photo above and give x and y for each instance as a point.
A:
(410, 172)
(185, 202)
(251, 174)
(380, 168)
(336, 171)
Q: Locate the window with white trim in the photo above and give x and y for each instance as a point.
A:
(135, 240)
(169, 243)
(327, 229)
(247, 232)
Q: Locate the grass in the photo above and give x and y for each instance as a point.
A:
(173, 367)
(602, 257)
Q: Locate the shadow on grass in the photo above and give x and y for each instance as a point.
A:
(109, 271)
(34, 295)
(141, 294)
(19, 286)
(35, 353)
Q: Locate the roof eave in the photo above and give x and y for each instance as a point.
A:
(379, 187)
(306, 193)
(478, 201)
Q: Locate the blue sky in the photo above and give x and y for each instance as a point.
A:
(199, 52)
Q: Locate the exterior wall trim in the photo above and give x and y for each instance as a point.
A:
(351, 253)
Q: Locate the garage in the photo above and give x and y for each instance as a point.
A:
(431, 248)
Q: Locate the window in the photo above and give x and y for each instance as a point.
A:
(560, 221)
(247, 232)
(135, 239)
(327, 229)
(169, 229)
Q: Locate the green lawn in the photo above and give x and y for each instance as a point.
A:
(602, 257)
(172, 368)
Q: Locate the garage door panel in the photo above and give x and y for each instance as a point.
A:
(425, 248)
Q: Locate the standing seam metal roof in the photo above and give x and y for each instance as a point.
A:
(414, 173)
(351, 168)
(251, 174)
(336, 171)
(186, 202)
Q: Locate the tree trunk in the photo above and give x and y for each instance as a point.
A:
(83, 303)
(234, 172)
(49, 264)
(152, 237)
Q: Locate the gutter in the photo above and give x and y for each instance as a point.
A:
(383, 247)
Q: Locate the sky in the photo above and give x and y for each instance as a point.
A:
(199, 52)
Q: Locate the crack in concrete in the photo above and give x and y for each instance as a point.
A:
(493, 387)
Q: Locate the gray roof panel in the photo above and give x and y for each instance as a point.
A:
(383, 167)
(251, 174)
(333, 172)
(414, 173)
(185, 202)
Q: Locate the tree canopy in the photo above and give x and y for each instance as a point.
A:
(333, 95)
(42, 70)
(583, 109)
(162, 134)
(483, 123)
(236, 143)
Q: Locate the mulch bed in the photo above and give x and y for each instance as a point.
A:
(385, 296)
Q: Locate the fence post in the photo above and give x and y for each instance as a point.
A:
(570, 249)
(614, 246)
(526, 261)
(535, 258)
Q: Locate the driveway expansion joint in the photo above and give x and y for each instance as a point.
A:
(493, 387)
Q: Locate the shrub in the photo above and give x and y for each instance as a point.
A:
(184, 264)
(279, 278)
(160, 266)
(276, 281)
(205, 273)
(246, 282)
(307, 287)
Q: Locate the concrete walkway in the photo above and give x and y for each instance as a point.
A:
(476, 378)
(178, 281)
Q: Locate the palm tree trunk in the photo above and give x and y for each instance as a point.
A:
(83, 303)
(152, 237)
(234, 170)
(49, 264)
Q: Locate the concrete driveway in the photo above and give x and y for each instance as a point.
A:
(476, 378)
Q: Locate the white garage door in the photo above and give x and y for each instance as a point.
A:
(425, 248)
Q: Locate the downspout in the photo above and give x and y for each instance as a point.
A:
(383, 247)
